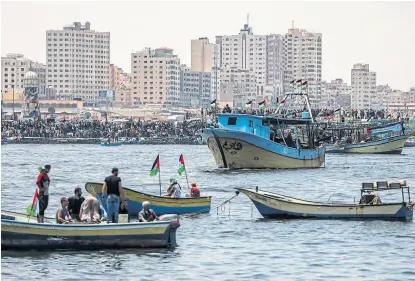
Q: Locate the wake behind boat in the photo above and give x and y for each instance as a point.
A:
(273, 205)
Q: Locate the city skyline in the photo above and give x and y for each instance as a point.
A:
(383, 40)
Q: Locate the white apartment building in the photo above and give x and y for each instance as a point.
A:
(203, 56)
(303, 60)
(78, 61)
(274, 72)
(245, 51)
(364, 90)
(13, 69)
(155, 77)
(236, 87)
(335, 94)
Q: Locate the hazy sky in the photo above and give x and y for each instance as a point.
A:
(381, 34)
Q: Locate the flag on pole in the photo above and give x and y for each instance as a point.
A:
(304, 86)
(298, 83)
(248, 105)
(262, 104)
(292, 83)
(181, 164)
(213, 103)
(33, 209)
(156, 167)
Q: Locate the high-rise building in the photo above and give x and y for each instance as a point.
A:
(13, 69)
(245, 51)
(78, 61)
(203, 55)
(195, 88)
(274, 71)
(155, 77)
(303, 61)
(364, 88)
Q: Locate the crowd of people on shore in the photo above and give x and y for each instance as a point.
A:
(97, 129)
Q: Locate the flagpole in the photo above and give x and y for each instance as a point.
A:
(185, 172)
(158, 156)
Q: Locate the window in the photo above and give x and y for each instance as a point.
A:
(232, 121)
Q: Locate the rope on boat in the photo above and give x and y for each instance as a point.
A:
(221, 206)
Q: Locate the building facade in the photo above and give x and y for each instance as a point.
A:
(120, 83)
(364, 90)
(202, 55)
(335, 94)
(78, 62)
(302, 56)
(155, 76)
(195, 88)
(13, 69)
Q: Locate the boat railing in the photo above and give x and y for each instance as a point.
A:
(370, 187)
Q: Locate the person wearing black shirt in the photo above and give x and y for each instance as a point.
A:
(75, 203)
(112, 186)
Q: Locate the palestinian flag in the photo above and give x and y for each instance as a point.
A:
(262, 104)
(33, 209)
(304, 86)
(283, 103)
(292, 83)
(181, 165)
(337, 111)
(298, 83)
(213, 103)
(156, 167)
(248, 105)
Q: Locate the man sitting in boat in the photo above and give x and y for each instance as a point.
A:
(62, 215)
(75, 203)
(174, 189)
(194, 191)
(90, 211)
(147, 214)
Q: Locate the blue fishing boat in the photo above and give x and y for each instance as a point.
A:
(161, 205)
(241, 141)
(370, 206)
(18, 233)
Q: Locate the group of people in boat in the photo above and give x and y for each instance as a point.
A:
(91, 210)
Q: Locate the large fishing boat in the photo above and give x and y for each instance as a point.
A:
(249, 141)
(370, 206)
(385, 139)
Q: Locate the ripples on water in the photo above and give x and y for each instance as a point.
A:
(242, 246)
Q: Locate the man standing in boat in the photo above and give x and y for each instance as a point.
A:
(43, 183)
(113, 188)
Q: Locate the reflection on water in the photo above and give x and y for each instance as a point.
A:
(216, 246)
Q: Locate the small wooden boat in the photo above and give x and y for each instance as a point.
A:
(110, 144)
(334, 148)
(272, 205)
(18, 233)
(161, 205)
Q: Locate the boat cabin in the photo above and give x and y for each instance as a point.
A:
(368, 198)
(295, 133)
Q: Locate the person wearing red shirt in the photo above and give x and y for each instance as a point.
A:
(43, 182)
(194, 191)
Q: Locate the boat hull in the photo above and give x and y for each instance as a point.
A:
(161, 205)
(392, 145)
(16, 234)
(334, 149)
(238, 150)
(276, 206)
(110, 144)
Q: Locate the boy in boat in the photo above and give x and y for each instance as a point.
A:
(174, 189)
(75, 203)
(147, 214)
(194, 191)
(62, 215)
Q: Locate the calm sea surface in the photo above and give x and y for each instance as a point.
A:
(231, 244)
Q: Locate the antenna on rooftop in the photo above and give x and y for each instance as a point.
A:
(247, 19)
(293, 24)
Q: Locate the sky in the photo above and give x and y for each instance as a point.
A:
(380, 34)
